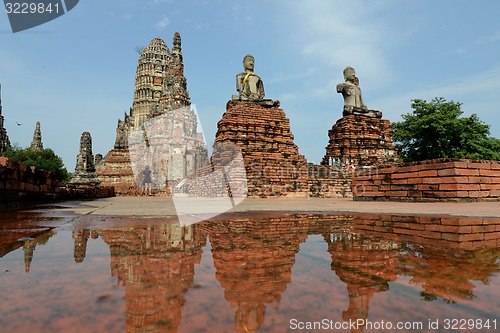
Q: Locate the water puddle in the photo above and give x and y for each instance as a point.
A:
(263, 272)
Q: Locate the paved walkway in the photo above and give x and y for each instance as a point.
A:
(162, 206)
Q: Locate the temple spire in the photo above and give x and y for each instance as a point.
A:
(176, 47)
(36, 143)
(4, 139)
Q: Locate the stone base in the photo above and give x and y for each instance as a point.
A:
(115, 170)
(272, 161)
(350, 110)
(364, 140)
(85, 178)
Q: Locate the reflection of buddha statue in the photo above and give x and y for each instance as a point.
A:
(353, 99)
(250, 86)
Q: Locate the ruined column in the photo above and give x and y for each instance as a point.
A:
(85, 173)
(36, 143)
(4, 139)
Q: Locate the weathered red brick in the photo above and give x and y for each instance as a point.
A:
(428, 173)
(483, 228)
(472, 237)
(431, 180)
(405, 175)
(479, 194)
(459, 187)
(407, 231)
(431, 234)
(396, 193)
(489, 173)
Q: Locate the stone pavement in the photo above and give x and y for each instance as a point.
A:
(161, 206)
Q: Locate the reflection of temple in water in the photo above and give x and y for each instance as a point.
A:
(254, 259)
(365, 266)
(80, 239)
(155, 264)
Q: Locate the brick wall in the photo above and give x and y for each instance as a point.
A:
(328, 181)
(21, 184)
(433, 180)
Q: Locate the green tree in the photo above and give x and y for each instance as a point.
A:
(435, 130)
(45, 159)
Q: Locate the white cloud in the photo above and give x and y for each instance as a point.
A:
(163, 23)
(336, 34)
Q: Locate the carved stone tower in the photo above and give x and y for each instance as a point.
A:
(85, 173)
(36, 143)
(4, 139)
(162, 111)
(149, 79)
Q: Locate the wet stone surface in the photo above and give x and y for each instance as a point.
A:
(266, 272)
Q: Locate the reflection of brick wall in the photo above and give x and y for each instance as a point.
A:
(431, 269)
(463, 232)
(433, 180)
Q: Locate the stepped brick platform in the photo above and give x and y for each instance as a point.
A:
(432, 180)
(272, 161)
(115, 170)
(361, 141)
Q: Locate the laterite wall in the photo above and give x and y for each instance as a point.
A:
(432, 180)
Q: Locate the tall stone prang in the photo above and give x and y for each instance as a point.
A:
(261, 129)
(4, 139)
(160, 88)
(361, 137)
(85, 172)
(36, 143)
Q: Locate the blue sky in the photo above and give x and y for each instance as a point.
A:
(76, 73)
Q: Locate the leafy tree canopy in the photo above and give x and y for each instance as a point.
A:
(45, 159)
(435, 130)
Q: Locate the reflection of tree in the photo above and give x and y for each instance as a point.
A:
(365, 266)
(448, 272)
(156, 266)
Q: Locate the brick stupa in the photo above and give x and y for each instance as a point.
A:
(361, 137)
(272, 161)
(360, 140)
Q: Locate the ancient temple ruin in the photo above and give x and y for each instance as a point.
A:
(4, 139)
(261, 130)
(36, 143)
(85, 173)
(361, 137)
(162, 117)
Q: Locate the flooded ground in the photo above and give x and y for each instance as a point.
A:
(266, 272)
